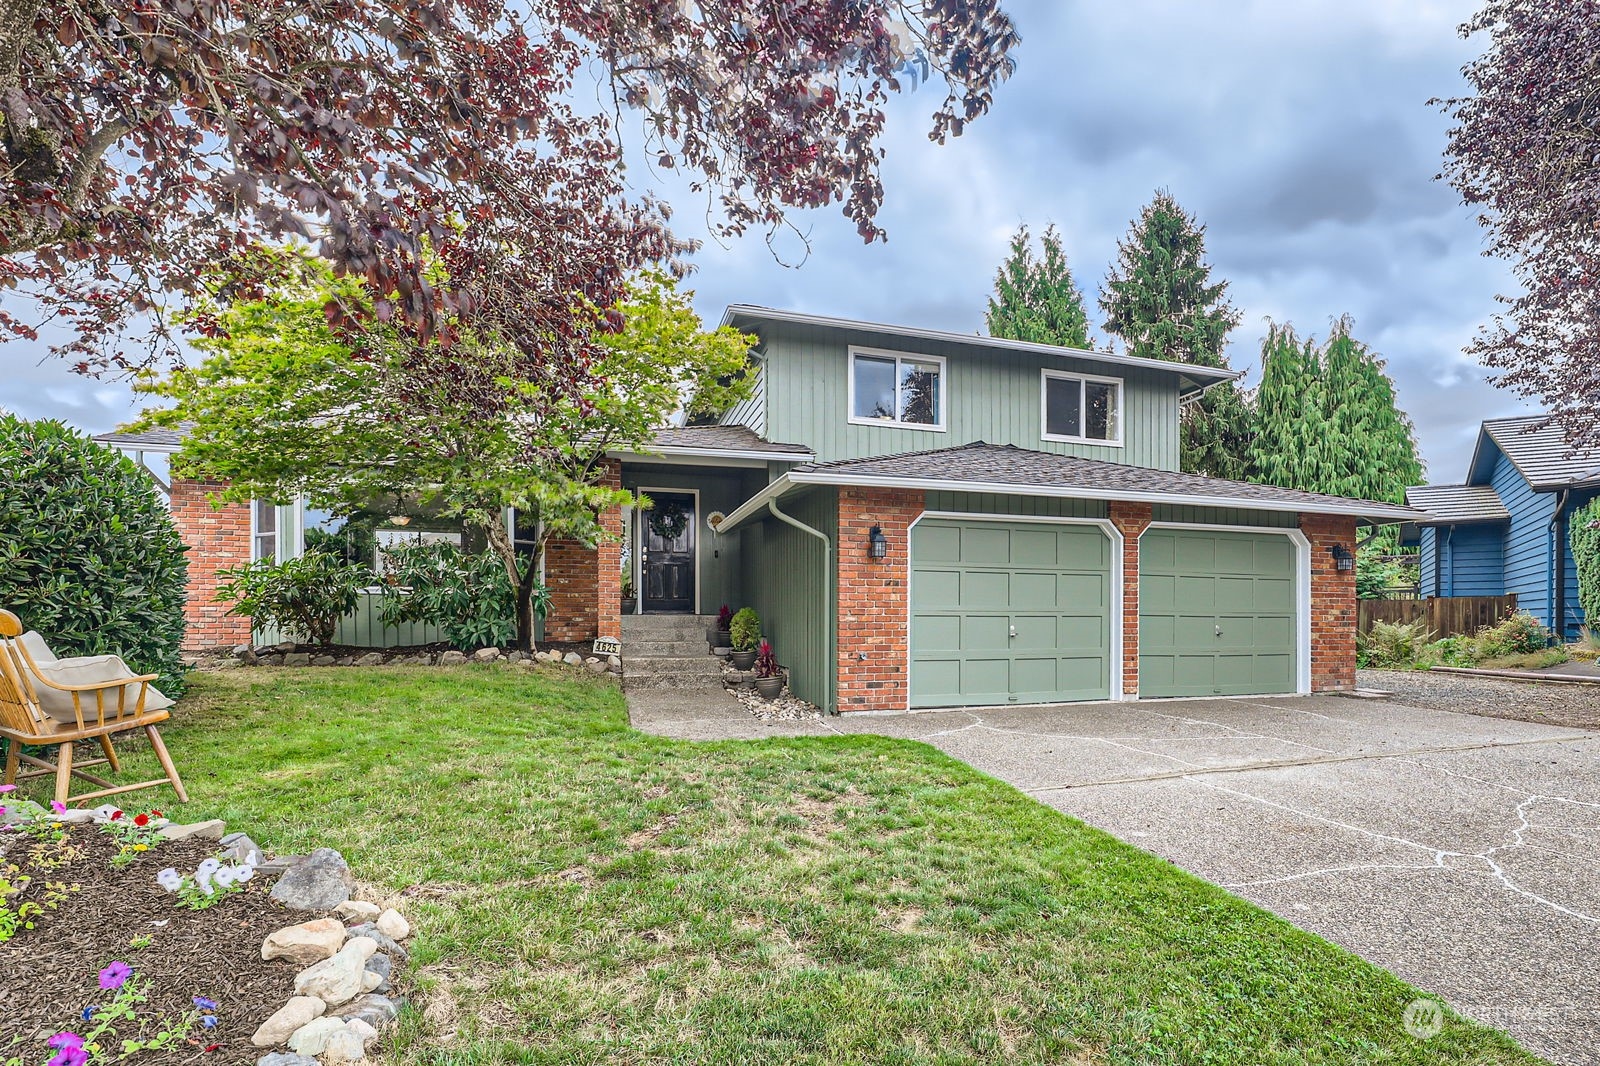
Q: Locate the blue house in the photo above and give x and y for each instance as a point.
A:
(1504, 531)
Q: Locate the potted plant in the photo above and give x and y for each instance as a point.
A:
(769, 675)
(628, 600)
(745, 632)
(720, 636)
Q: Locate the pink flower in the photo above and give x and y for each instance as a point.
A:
(7, 788)
(58, 806)
(115, 976)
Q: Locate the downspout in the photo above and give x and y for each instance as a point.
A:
(830, 628)
(1558, 565)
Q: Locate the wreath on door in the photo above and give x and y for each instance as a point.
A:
(669, 520)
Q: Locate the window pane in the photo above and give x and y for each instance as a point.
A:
(919, 393)
(1063, 398)
(266, 538)
(874, 382)
(1101, 401)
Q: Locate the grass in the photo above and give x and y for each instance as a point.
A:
(1535, 660)
(589, 894)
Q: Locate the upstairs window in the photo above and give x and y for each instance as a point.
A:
(889, 388)
(1081, 408)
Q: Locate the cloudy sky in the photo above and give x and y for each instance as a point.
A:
(1299, 133)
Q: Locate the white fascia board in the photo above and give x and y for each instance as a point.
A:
(742, 513)
(713, 453)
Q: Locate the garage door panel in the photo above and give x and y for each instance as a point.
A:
(973, 581)
(1217, 613)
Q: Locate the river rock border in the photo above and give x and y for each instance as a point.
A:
(288, 654)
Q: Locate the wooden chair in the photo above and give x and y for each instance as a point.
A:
(118, 706)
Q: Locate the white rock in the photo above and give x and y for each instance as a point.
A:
(305, 943)
(572, 658)
(336, 980)
(312, 1038)
(362, 1029)
(364, 946)
(370, 981)
(357, 910)
(211, 830)
(293, 1015)
(344, 1046)
(393, 925)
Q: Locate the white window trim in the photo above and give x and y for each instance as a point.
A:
(1045, 374)
(895, 423)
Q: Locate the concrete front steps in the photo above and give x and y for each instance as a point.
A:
(668, 651)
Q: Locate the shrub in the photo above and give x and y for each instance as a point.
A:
(1585, 538)
(766, 661)
(745, 630)
(469, 596)
(305, 597)
(1396, 645)
(89, 556)
(1521, 634)
(1451, 651)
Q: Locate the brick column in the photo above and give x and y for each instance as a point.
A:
(217, 537)
(1333, 603)
(586, 583)
(1131, 520)
(873, 618)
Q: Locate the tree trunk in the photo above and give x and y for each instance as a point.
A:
(522, 582)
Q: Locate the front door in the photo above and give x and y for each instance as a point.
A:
(667, 563)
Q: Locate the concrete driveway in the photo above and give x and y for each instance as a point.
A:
(1461, 853)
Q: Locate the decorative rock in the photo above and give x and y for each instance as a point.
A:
(381, 967)
(596, 666)
(320, 883)
(372, 658)
(364, 1030)
(344, 1046)
(211, 830)
(363, 945)
(324, 660)
(313, 1037)
(393, 925)
(245, 652)
(370, 981)
(613, 662)
(346, 660)
(516, 656)
(237, 847)
(385, 943)
(486, 655)
(528, 664)
(270, 660)
(572, 658)
(76, 816)
(297, 658)
(377, 1011)
(305, 943)
(286, 1058)
(287, 645)
(358, 910)
(335, 980)
(290, 1018)
(452, 658)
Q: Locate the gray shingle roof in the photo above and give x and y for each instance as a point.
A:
(1458, 503)
(723, 438)
(1540, 451)
(1021, 468)
(150, 439)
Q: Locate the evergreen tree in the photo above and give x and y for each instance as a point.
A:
(1283, 411)
(1037, 299)
(1160, 301)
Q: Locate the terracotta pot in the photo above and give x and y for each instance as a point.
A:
(769, 687)
(743, 660)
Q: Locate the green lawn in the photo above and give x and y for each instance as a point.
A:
(594, 895)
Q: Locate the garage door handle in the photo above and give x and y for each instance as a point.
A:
(1013, 630)
(1219, 631)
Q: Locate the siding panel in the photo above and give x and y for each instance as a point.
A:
(783, 575)
(1527, 539)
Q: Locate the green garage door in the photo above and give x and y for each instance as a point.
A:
(1009, 613)
(1216, 613)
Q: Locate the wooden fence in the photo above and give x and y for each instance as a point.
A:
(1447, 616)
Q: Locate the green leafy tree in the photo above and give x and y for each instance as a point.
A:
(1037, 299)
(285, 405)
(1585, 537)
(305, 596)
(1327, 420)
(1160, 302)
(89, 556)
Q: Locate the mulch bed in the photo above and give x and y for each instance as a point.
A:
(48, 974)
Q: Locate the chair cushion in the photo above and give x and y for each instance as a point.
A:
(88, 670)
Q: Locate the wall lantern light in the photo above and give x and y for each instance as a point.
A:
(877, 543)
(1342, 559)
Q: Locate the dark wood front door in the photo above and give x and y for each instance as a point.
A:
(668, 561)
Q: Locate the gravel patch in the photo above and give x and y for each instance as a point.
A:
(1571, 706)
(786, 708)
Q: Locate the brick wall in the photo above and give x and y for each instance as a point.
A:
(1333, 603)
(873, 618)
(217, 537)
(1131, 519)
(586, 583)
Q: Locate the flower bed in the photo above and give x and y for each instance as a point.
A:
(119, 943)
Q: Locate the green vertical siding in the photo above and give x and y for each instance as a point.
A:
(364, 628)
(991, 395)
(752, 410)
(717, 557)
(1034, 506)
(783, 578)
(1224, 516)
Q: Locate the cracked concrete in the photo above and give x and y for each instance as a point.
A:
(1457, 851)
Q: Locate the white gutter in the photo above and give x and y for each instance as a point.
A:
(1067, 492)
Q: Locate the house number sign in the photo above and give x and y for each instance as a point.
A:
(607, 646)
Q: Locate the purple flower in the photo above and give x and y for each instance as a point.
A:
(208, 1021)
(58, 806)
(205, 1004)
(115, 976)
(72, 1056)
(7, 788)
(64, 1042)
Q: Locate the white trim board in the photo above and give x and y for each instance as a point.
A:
(1302, 586)
(1115, 620)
